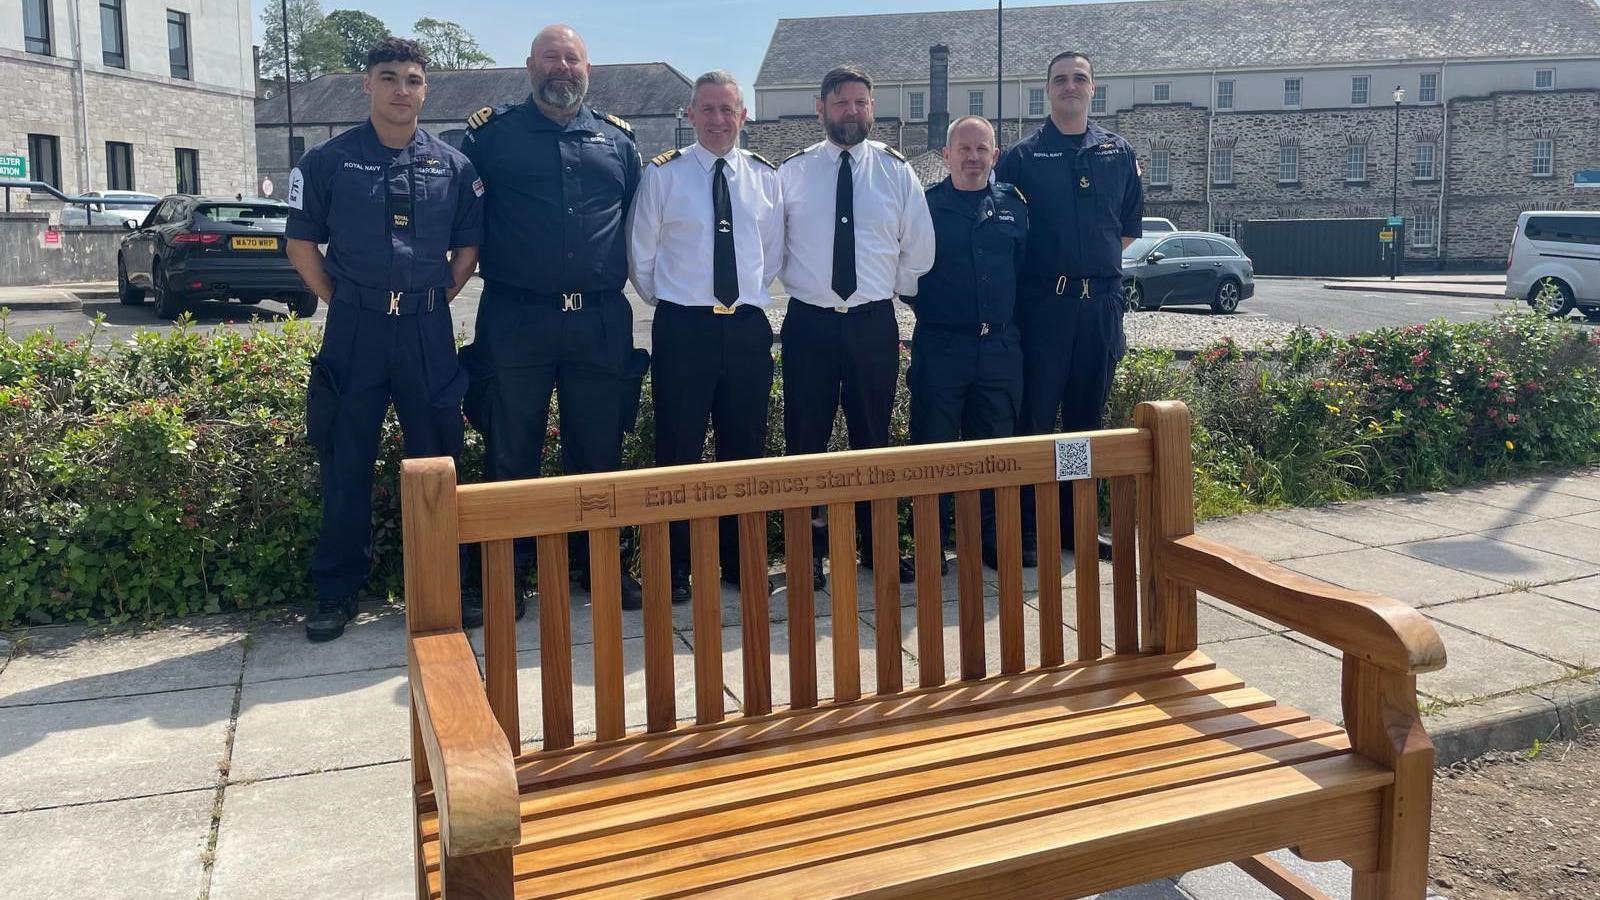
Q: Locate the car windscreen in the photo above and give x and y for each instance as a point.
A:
(124, 202)
(1140, 247)
(242, 212)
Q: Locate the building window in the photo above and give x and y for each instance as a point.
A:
(1288, 163)
(1161, 92)
(1428, 89)
(1224, 227)
(1424, 229)
(974, 103)
(1355, 162)
(1222, 165)
(44, 155)
(1544, 78)
(1423, 162)
(1097, 104)
(1359, 89)
(1291, 92)
(1225, 95)
(1036, 101)
(1544, 158)
(119, 166)
(297, 144)
(1161, 166)
(919, 108)
(188, 170)
(112, 49)
(36, 26)
(178, 43)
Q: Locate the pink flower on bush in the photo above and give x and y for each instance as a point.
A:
(1511, 418)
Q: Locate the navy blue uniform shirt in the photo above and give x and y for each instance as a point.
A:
(1085, 198)
(389, 217)
(559, 195)
(978, 253)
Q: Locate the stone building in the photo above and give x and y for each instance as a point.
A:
(1247, 109)
(158, 100)
(650, 96)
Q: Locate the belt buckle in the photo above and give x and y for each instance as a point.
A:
(983, 329)
(1085, 294)
(1061, 285)
(571, 302)
(720, 310)
(394, 303)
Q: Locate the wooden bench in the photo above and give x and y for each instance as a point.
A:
(1061, 778)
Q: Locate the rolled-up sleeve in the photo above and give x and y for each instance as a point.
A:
(308, 199)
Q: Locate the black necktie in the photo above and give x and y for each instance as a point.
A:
(844, 231)
(724, 271)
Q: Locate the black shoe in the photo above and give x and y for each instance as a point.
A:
(632, 594)
(818, 582)
(1104, 547)
(991, 558)
(327, 621)
(730, 575)
(524, 597)
(908, 568)
(471, 608)
(1030, 557)
(680, 588)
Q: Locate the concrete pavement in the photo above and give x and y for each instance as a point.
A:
(225, 759)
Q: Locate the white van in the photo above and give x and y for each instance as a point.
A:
(1555, 262)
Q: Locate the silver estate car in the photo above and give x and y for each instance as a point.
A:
(1184, 267)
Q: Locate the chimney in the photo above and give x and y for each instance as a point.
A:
(938, 95)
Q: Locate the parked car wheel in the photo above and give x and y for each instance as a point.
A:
(1227, 298)
(303, 305)
(126, 292)
(1552, 297)
(169, 303)
(1132, 296)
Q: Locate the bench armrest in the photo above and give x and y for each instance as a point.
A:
(1384, 632)
(474, 779)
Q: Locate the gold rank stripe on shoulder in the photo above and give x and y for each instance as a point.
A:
(894, 153)
(1018, 191)
(477, 119)
(620, 123)
(761, 159)
(663, 158)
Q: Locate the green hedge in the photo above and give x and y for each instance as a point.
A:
(168, 474)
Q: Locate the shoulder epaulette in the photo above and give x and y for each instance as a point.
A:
(620, 123)
(761, 159)
(477, 119)
(1006, 185)
(894, 153)
(662, 158)
(800, 152)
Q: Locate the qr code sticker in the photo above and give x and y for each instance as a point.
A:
(1072, 459)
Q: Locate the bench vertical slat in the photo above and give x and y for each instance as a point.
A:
(605, 608)
(1047, 526)
(802, 608)
(929, 554)
(555, 642)
(1172, 487)
(706, 600)
(969, 584)
(1008, 555)
(886, 592)
(842, 589)
(1086, 566)
(500, 638)
(660, 695)
(1124, 589)
(1149, 610)
(754, 614)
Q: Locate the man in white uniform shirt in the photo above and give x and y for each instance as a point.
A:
(704, 244)
(857, 233)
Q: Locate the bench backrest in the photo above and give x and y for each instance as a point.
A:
(1151, 495)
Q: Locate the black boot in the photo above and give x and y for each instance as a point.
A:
(471, 608)
(632, 594)
(908, 568)
(680, 587)
(818, 581)
(1030, 557)
(327, 621)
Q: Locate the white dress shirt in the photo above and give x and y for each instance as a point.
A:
(894, 233)
(671, 232)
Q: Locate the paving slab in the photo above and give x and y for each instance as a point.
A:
(1479, 667)
(374, 640)
(1273, 539)
(1588, 520)
(1459, 514)
(1581, 483)
(1363, 523)
(1229, 882)
(1562, 537)
(1294, 674)
(145, 849)
(1218, 605)
(580, 619)
(298, 725)
(1163, 889)
(822, 653)
(1488, 558)
(1403, 577)
(950, 639)
(89, 750)
(1537, 500)
(1532, 622)
(1582, 591)
(342, 835)
(85, 663)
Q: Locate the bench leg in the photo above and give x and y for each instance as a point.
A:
(481, 876)
(1380, 712)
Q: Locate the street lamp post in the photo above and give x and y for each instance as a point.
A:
(677, 133)
(1394, 192)
(999, 64)
(288, 80)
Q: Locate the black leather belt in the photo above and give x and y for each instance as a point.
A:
(973, 328)
(394, 303)
(709, 310)
(842, 309)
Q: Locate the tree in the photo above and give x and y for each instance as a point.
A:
(357, 32)
(313, 49)
(450, 46)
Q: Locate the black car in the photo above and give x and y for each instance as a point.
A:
(1182, 267)
(210, 248)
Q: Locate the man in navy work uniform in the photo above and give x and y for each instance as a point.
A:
(561, 178)
(966, 353)
(401, 213)
(705, 243)
(856, 233)
(1086, 199)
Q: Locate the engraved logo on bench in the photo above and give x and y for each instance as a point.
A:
(1072, 459)
(602, 505)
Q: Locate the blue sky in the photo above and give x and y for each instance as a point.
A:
(692, 35)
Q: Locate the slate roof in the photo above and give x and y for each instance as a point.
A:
(1182, 35)
(629, 89)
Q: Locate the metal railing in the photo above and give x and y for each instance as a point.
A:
(86, 202)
